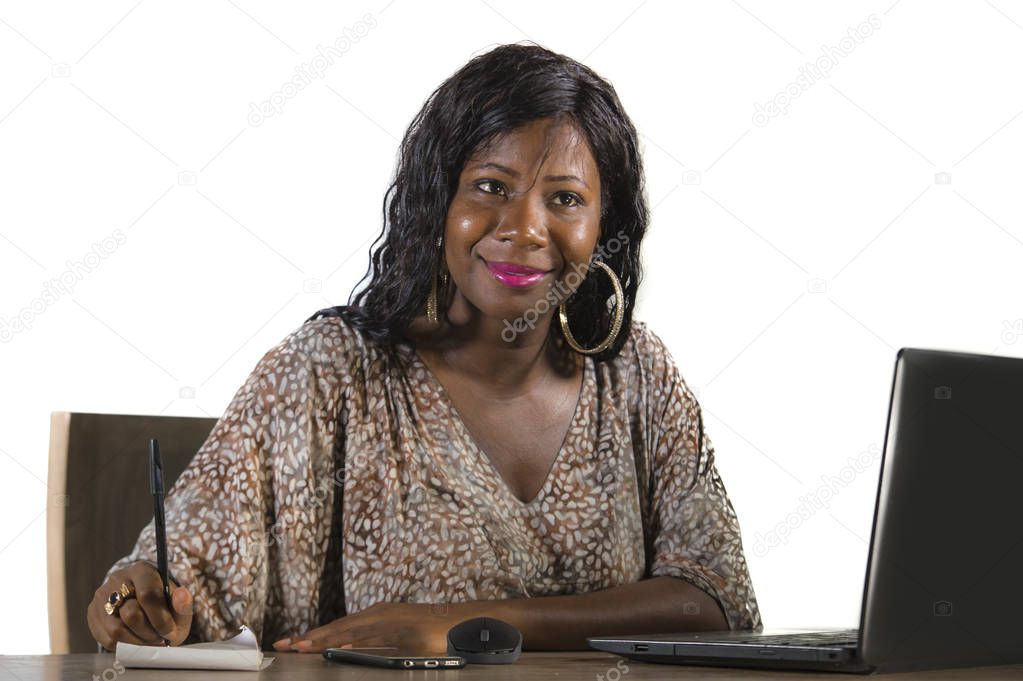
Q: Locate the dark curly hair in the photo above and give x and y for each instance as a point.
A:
(492, 94)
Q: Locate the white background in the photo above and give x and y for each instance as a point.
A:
(786, 263)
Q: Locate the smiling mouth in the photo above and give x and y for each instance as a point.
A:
(515, 276)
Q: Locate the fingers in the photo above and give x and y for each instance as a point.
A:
(151, 598)
(116, 632)
(320, 639)
(182, 600)
(336, 627)
(171, 623)
(108, 629)
(336, 633)
(133, 618)
(144, 619)
(334, 636)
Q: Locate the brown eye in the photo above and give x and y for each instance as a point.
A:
(576, 201)
(492, 183)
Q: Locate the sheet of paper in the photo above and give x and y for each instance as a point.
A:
(240, 653)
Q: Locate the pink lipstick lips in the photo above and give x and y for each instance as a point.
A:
(516, 276)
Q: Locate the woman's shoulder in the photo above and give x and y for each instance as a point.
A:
(327, 339)
(647, 368)
(645, 349)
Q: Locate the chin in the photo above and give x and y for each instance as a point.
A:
(511, 308)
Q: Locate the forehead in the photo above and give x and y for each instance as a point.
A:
(549, 142)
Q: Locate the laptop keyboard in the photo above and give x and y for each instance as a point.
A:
(842, 637)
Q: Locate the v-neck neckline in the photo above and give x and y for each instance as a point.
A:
(481, 454)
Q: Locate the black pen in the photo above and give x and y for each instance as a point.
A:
(156, 487)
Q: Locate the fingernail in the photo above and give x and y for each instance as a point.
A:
(283, 643)
(303, 645)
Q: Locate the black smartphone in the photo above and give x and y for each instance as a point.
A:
(393, 658)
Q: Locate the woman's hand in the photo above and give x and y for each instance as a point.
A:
(144, 619)
(409, 626)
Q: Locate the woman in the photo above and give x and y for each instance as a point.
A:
(483, 430)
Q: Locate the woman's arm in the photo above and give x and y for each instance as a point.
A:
(658, 604)
(248, 519)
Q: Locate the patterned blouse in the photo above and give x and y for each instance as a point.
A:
(341, 475)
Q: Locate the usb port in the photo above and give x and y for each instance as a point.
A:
(432, 663)
(640, 647)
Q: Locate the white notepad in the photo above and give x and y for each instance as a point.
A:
(241, 652)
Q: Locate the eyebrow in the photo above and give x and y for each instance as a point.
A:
(514, 173)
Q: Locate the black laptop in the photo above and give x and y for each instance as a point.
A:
(944, 581)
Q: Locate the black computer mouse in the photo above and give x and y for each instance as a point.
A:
(485, 640)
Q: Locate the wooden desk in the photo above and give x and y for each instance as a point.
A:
(573, 666)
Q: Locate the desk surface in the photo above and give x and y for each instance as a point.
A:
(570, 666)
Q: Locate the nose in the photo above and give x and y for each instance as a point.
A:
(523, 222)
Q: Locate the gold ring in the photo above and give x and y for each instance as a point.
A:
(117, 598)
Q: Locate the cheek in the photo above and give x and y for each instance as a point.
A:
(464, 225)
(578, 244)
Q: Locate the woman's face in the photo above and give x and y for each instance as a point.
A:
(532, 200)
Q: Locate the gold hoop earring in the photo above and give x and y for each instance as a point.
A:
(435, 290)
(616, 325)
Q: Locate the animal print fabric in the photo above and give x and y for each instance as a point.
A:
(341, 475)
